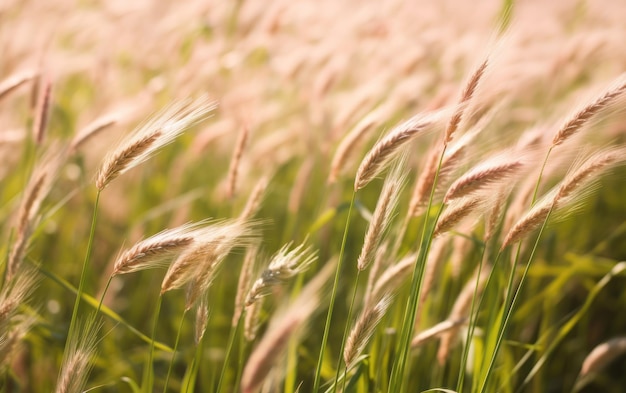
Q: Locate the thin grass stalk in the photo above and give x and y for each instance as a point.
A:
(191, 381)
(241, 363)
(104, 292)
(471, 323)
(229, 349)
(509, 311)
(408, 321)
(83, 274)
(292, 346)
(169, 369)
(333, 295)
(346, 332)
(148, 377)
(242, 288)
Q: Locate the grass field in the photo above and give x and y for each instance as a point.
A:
(312, 196)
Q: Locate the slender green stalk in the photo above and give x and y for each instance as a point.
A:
(292, 348)
(346, 331)
(148, 378)
(408, 322)
(471, 326)
(229, 349)
(191, 380)
(83, 275)
(106, 288)
(241, 363)
(333, 295)
(169, 369)
(513, 300)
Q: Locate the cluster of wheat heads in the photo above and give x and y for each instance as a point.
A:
(412, 204)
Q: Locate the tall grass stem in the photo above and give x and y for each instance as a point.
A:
(333, 295)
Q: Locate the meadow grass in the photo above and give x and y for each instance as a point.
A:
(312, 196)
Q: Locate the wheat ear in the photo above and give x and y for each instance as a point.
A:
(466, 96)
(36, 191)
(202, 317)
(42, 111)
(363, 330)
(254, 200)
(92, 129)
(425, 182)
(349, 142)
(393, 276)
(602, 355)
(13, 82)
(582, 116)
(284, 265)
(245, 280)
(483, 175)
(199, 263)
(156, 250)
(589, 171)
(458, 210)
(77, 363)
(382, 152)
(436, 331)
(235, 161)
(529, 222)
(572, 187)
(148, 139)
(381, 218)
(375, 270)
